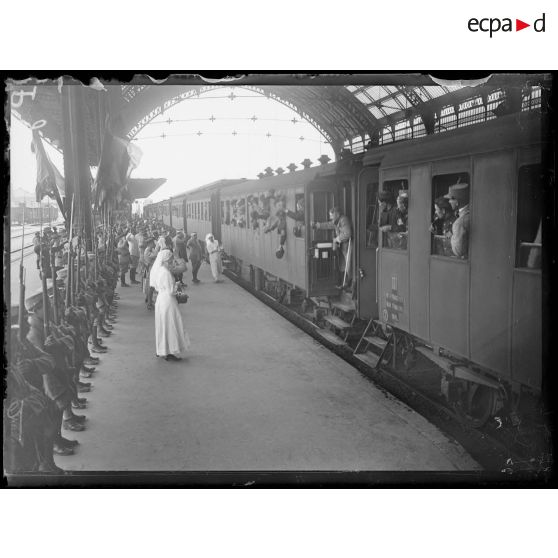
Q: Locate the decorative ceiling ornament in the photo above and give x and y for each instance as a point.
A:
(268, 171)
(324, 159)
(279, 171)
(301, 138)
(254, 118)
(199, 133)
(212, 118)
(268, 135)
(232, 96)
(169, 121)
(163, 135)
(234, 133)
(294, 120)
(292, 167)
(261, 175)
(306, 163)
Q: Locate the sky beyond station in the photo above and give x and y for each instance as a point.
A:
(208, 138)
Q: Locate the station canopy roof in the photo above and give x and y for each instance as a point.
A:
(352, 112)
(139, 188)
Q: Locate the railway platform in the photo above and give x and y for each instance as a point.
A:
(255, 393)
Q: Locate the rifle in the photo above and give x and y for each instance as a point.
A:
(86, 260)
(54, 290)
(21, 309)
(44, 282)
(69, 266)
(78, 269)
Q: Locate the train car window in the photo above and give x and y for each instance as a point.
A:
(299, 228)
(222, 212)
(529, 217)
(450, 225)
(372, 209)
(228, 213)
(393, 208)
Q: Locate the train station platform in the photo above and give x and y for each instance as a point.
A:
(255, 393)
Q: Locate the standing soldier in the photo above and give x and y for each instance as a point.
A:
(37, 248)
(342, 226)
(196, 255)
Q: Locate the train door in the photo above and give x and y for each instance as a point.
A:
(366, 242)
(393, 254)
(449, 272)
(528, 335)
(215, 211)
(322, 260)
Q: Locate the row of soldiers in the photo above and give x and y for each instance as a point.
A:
(54, 346)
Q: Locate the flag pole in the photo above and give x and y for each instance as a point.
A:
(21, 311)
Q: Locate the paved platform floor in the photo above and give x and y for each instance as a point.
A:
(256, 393)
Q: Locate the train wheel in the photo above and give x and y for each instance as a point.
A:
(476, 405)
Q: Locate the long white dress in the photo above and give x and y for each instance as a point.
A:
(170, 336)
(214, 258)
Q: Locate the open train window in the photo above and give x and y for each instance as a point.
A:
(372, 209)
(450, 224)
(393, 209)
(529, 217)
(299, 216)
(228, 213)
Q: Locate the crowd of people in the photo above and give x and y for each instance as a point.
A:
(59, 337)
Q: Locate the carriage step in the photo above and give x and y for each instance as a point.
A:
(337, 323)
(331, 337)
(376, 341)
(371, 359)
(320, 303)
(343, 306)
(458, 370)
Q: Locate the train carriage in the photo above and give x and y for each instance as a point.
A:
(477, 316)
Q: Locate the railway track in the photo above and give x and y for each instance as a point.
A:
(489, 450)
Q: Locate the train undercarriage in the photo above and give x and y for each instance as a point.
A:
(472, 396)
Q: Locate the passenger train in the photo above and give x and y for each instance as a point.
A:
(478, 317)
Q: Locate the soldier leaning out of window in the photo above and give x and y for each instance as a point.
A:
(458, 196)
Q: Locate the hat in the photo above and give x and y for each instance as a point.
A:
(386, 196)
(458, 191)
(334, 210)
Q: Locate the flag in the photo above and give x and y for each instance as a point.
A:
(119, 157)
(49, 180)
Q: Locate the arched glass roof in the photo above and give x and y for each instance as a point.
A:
(351, 112)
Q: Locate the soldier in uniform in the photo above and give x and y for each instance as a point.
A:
(343, 228)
